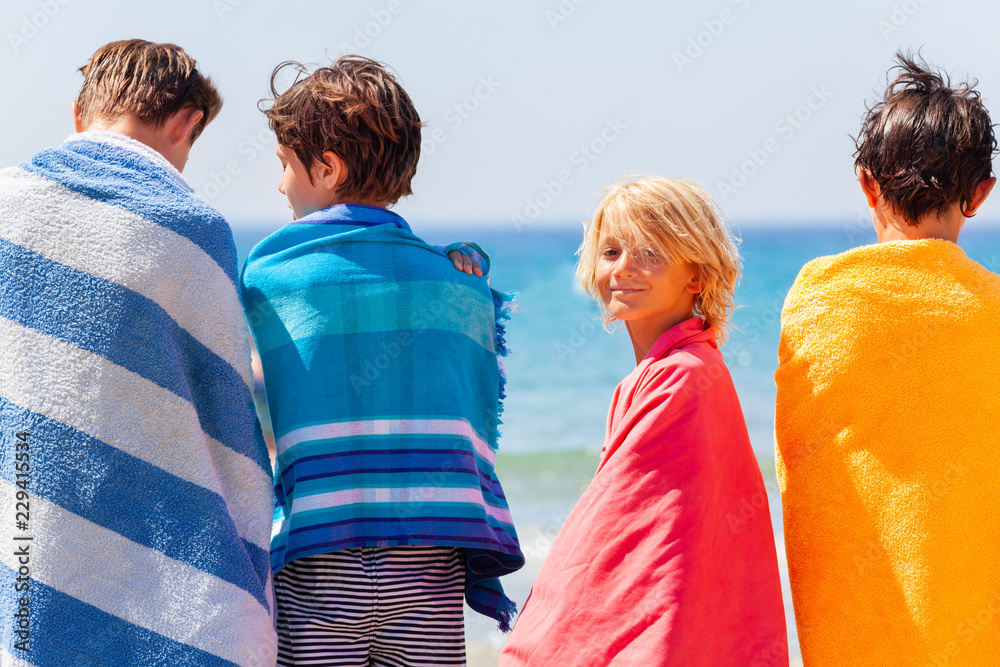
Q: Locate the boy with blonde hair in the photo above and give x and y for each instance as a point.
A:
(130, 453)
(657, 564)
(380, 365)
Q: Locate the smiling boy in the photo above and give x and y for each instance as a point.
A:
(658, 564)
(380, 366)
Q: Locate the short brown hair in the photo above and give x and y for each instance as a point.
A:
(678, 220)
(926, 143)
(358, 110)
(151, 81)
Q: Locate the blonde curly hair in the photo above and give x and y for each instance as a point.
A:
(680, 221)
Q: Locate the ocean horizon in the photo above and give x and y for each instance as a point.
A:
(563, 365)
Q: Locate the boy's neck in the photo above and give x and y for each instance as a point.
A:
(133, 128)
(172, 139)
(644, 334)
(376, 204)
(945, 224)
(890, 226)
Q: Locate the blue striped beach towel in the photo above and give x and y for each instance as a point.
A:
(135, 487)
(383, 383)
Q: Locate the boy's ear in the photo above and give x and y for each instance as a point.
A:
(333, 173)
(979, 196)
(181, 126)
(695, 284)
(77, 117)
(869, 186)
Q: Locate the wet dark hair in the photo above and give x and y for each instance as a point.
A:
(358, 110)
(926, 143)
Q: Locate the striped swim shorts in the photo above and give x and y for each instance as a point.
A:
(398, 606)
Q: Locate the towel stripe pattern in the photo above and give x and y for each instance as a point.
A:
(124, 367)
(383, 385)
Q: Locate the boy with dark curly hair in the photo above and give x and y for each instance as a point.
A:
(888, 412)
(382, 379)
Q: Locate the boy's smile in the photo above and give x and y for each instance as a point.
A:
(648, 292)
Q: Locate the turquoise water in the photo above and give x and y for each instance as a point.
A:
(563, 368)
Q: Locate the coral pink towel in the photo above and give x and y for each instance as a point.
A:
(668, 558)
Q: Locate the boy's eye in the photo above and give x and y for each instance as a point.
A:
(609, 252)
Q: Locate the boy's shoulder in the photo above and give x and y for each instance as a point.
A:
(374, 262)
(111, 165)
(694, 363)
(366, 243)
(872, 267)
(84, 181)
(85, 171)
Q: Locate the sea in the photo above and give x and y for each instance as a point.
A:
(563, 367)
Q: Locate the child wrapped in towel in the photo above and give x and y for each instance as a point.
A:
(383, 384)
(888, 412)
(128, 437)
(656, 564)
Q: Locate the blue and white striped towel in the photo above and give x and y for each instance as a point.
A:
(124, 358)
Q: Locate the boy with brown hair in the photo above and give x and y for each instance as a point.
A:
(129, 447)
(380, 365)
(888, 412)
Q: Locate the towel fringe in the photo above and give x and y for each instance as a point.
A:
(503, 305)
(506, 615)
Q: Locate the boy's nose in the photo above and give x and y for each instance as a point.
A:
(624, 265)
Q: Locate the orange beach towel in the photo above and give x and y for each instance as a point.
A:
(888, 455)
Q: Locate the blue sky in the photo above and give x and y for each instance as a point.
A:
(533, 107)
